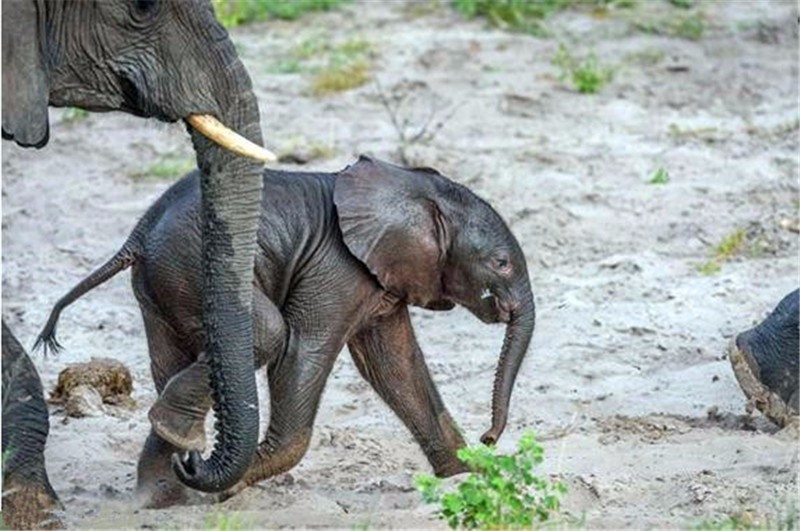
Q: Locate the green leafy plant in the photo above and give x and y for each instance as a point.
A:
(527, 16)
(660, 176)
(225, 522)
(167, 167)
(691, 26)
(729, 246)
(73, 115)
(787, 519)
(586, 74)
(334, 66)
(235, 12)
(500, 492)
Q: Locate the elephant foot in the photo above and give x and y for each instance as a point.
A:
(765, 361)
(446, 464)
(29, 505)
(184, 430)
(231, 492)
(161, 494)
(451, 468)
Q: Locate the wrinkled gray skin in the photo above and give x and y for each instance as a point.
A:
(29, 501)
(766, 361)
(163, 59)
(340, 257)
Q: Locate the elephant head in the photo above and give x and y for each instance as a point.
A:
(170, 60)
(433, 243)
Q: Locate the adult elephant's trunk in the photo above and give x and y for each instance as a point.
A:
(515, 345)
(231, 197)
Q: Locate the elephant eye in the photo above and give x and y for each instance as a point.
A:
(144, 7)
(501, 264)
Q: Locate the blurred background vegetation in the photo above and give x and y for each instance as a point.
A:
(235, 12)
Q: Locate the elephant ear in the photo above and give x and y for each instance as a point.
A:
(25, 87)
(391, 222)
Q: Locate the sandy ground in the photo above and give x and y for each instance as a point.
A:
(627, 379)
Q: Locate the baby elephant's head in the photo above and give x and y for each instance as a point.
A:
(433, 243)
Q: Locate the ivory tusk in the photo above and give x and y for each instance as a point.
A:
(230, 140)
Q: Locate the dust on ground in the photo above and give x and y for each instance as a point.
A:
(627, 380)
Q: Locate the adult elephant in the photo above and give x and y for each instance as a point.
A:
(168, 60)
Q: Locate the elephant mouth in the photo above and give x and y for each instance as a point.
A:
(505, 309)
(226, 138)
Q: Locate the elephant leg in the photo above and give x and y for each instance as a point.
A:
(296, 383)
(388, 357)
(179, 414)
(156, 485)
(28, 499)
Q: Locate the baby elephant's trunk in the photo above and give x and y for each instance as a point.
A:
(515, 345)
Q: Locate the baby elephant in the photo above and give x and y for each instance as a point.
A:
(340, 257)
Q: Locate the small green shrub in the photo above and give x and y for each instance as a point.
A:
(787, 519)
(730, 245)
(73, 115)
(235, 12)
(166, 167)
(225, 522)
(660, 176)
(501, 491)
(337, 67)
(527, 16)
(340, 77)
(691, 26)
(515, 15)
(586, 74)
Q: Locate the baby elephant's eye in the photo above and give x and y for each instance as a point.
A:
(500, 263)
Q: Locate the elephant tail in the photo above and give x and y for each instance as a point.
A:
(122, 260)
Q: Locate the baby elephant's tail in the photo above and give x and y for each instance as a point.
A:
(124, 258)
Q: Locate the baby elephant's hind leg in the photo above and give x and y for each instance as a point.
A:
(178, 416)
(171, 364)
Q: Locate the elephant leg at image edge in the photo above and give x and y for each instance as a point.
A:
(765, 361)
(388, 357)
(29, 501)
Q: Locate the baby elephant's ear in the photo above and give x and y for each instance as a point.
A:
(25, 87)
(391, 223)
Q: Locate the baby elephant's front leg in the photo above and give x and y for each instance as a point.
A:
(388, 357)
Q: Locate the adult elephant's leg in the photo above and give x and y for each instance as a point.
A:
(28, 498)
(388, 356)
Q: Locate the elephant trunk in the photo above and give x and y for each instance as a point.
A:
(515, 345)
(231, 198)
